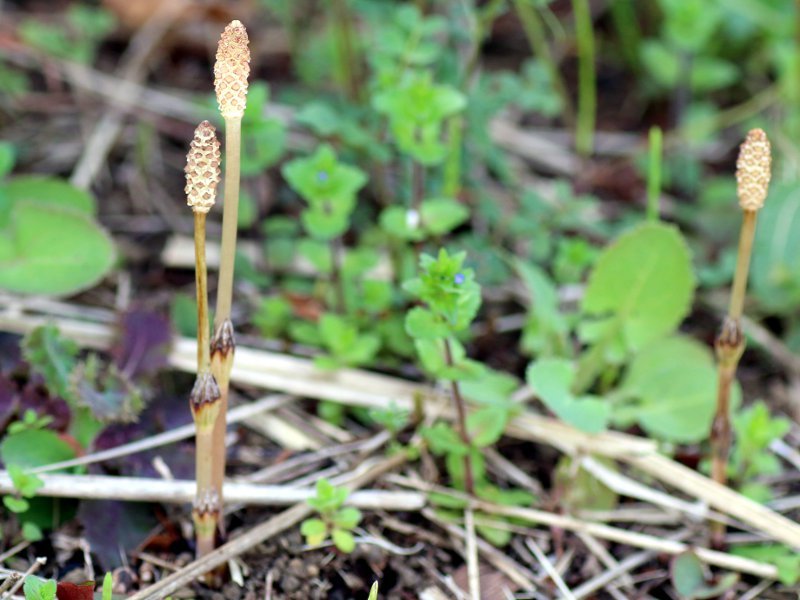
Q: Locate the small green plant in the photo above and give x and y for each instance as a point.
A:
(624, 323)
(346, 346)
(335, 522)
(451, 299)
(329, 187)
(755, 429)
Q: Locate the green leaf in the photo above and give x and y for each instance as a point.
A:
(775, 270)
(446, 500)
(494, 388)
(16, 505)
(343, 540)
(496, 536)
(44, 190)
(272, 316)
(643, 283)
(709, 74)
(52, 251)
(689, 580)
(314, 531)
(263, 144)
(320, 117)
(399, 222)
(7, 158)
(27, 484)
(32, 532)
(486, 425)
(347, 518)
(442, 215)
(329, 498)
(422, 324)
(783, 557)
(442, 439)
(52, 356)
(431, 355)
(551, 380)
(661, 63)
(687, 574)
(673, 382)
(545, 332)
(34, 448)
(345, 343)
(183, 314)
(317, 253)
(322, 178)
(325, 225)
(39, 589)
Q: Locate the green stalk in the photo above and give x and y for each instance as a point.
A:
(587, 93)
(654, 174)
(346, 53)
(452, 168)
(626, 23)
(534, 31)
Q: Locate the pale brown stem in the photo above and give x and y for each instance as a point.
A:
(230, 217)
(222, 357)
(746, 236)
(204, 403)
(729, 348)
(721, 438)
(201, 281)
(221, 364)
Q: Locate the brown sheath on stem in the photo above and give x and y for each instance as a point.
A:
(231, 70)
(752, 179)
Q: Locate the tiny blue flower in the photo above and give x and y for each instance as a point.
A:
(459, 278)
(322, 176)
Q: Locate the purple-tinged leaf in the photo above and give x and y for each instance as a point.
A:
(142, 343)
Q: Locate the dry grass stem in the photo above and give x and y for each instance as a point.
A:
(139, 489)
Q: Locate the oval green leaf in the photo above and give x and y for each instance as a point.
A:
(52, 251)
